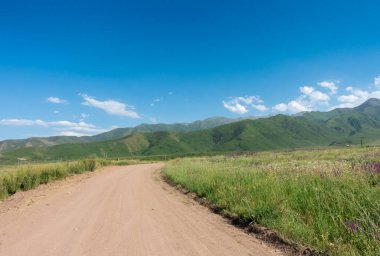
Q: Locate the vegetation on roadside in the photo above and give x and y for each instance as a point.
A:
(325, 199)
(25, 177)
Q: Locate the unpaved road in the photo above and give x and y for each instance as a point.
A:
(117, 211)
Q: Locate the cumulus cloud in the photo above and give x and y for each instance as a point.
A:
(56, 100)
(63, 127)
(293, 107)
(355, 97)
(331, 86)
(235, 107)
(314, 95)
(297, 106)
(242, 105)
(323, 96)
(348, 98)
(307, 101)
(282, 107)
(111, 107)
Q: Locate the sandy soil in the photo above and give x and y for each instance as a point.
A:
(117, 211)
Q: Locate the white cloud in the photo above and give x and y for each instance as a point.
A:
(72, 134)
(282, 107)
(292, 107)
(348, 98)
(235, 107)
(20, 122)
(241, 105)
(377, 82)
(56, 112)
(319, 96)
(355, 98)
(306, 90)
(261, 108)
(343, 105)
(312, 99)
(248, 100)
(361, 94)
(63, 127)
(111, 107)
(56, 100)
(331, 86)
(296, 107)
(313, 94)
(309, 99)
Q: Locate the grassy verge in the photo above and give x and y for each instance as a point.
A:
(326, 199)
(26, 177)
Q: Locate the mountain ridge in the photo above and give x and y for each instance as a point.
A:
(118, 133)
(313, 129)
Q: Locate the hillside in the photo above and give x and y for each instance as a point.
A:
(337, 127)
(10, 145)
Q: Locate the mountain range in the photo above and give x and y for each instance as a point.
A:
(11, 145)
(344, 126)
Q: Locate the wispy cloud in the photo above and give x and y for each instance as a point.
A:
(242, 105)
(156, 101)
(62, 127)
(111, 107)
(56, 100)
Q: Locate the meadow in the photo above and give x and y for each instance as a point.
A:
(328, 200)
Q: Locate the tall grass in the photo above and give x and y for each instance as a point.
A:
(326, 199)
(22, 178)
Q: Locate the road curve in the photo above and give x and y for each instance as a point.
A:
(118, 211)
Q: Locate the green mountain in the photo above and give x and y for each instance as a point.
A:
(314, 129)
(11, 145)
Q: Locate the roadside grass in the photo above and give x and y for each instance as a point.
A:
(25, 177)
(328, 200)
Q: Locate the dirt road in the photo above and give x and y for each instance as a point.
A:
(117, 211)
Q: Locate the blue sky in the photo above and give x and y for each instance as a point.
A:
(83, 67)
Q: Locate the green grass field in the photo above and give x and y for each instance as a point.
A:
(325, 199)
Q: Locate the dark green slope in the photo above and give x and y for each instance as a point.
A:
(342, 126)
(150, 128)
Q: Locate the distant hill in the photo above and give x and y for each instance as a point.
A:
(11, 145)
(314, 129)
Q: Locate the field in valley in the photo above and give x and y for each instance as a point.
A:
(328, 200)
